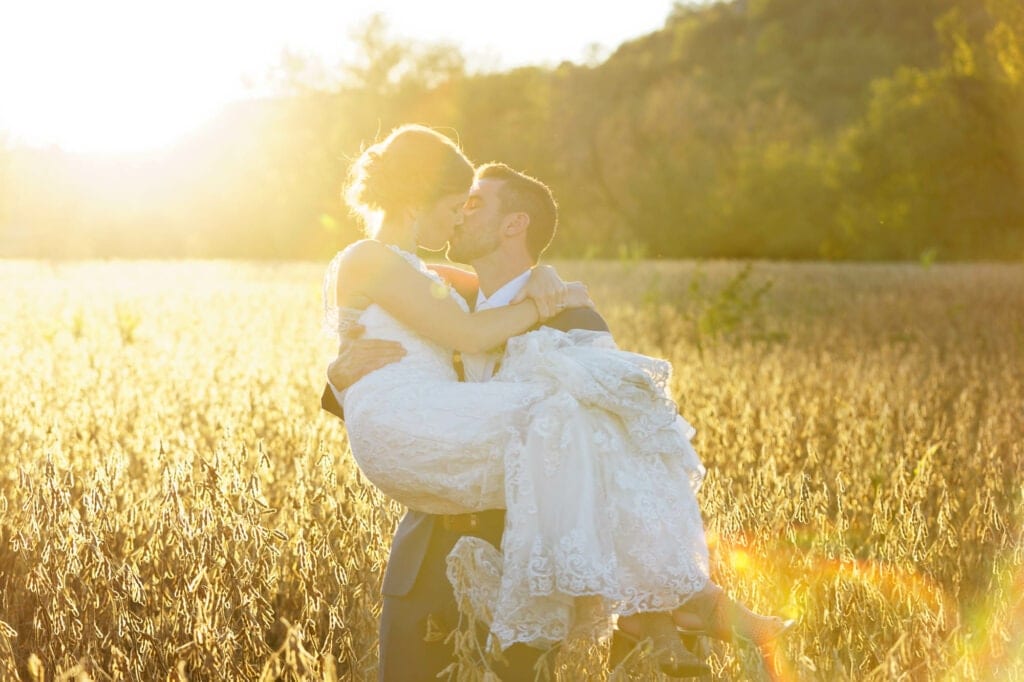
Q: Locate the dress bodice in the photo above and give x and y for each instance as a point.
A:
(422, 356)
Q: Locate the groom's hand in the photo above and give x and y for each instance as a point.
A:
(357, 357)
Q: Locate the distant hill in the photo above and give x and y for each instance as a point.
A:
(847, 129)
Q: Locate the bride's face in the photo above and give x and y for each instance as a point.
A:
(438, 222)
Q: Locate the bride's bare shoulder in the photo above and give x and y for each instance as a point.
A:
(364, 257)
(364, 248)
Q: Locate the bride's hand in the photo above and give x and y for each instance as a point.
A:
(578, 296)
(547, 290)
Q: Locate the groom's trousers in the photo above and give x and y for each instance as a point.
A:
(425, 603)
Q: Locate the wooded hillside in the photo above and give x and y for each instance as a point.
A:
(797, 129)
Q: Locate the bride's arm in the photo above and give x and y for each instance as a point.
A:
(464, 281)
(370, 269)
(545, 287)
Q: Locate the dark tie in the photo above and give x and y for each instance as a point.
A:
(460, 368)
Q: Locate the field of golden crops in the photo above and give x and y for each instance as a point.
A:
(174, 505)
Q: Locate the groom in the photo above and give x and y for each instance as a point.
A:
(509, 219)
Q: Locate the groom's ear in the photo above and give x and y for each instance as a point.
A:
(516, 223)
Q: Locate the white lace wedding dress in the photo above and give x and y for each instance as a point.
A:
(578, 440)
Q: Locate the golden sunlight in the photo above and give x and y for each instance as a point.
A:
(112, 76)
(106, 77)
(102, 118)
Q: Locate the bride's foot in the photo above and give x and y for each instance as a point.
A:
(668, 651)
(714, 613)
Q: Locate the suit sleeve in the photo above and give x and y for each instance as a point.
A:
(330, 403)
(578, 318)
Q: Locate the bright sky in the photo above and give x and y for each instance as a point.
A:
(126, 75)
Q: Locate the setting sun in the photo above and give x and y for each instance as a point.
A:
(114, 76)
(104, 117)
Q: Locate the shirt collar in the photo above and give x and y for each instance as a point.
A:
(504, 295)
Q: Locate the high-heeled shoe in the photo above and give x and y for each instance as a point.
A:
(723, 618)
(668, 652)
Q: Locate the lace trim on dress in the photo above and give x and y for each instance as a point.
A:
(331, 322)
(601, 495)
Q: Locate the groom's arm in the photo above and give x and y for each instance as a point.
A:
(329, 402)
(356, 358)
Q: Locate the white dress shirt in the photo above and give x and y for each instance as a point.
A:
(480, 366)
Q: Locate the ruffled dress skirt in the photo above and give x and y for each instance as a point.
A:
(582, 445)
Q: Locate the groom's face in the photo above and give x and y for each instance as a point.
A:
(479, 234)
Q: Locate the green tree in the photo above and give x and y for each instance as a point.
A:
(936, 163)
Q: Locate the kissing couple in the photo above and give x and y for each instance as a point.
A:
(495, 405)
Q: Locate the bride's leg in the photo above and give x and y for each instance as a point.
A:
(583, 652)
(712, 611)
(632, 625)
(589, 618)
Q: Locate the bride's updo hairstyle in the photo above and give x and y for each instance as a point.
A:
(412, 167)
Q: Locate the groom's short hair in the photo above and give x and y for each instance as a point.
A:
(520, 192)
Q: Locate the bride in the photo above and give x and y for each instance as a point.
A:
(578, 440)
